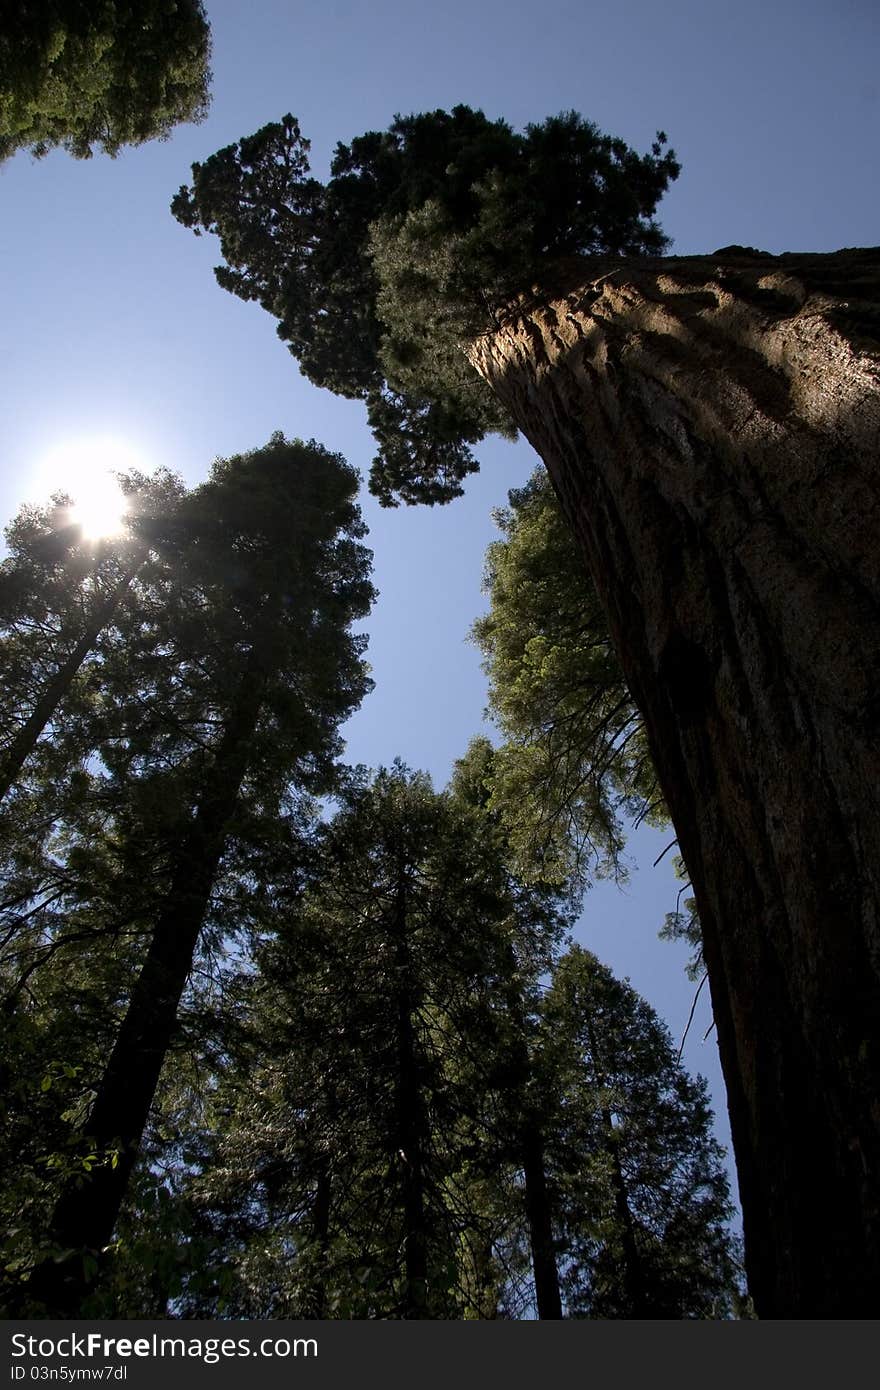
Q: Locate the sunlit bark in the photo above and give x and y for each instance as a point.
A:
(711, 427)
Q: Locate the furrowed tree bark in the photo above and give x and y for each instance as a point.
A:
(711, 427)
(86, 1213)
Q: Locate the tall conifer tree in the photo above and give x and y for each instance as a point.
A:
(230, 728)
(640, 1197)
(362, 1170)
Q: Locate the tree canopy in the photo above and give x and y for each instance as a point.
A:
(184, 763)
(87, 74)
(380, 276)
(404, 1128)
(370, 1067)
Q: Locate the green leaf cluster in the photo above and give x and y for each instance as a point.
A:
(86, 74)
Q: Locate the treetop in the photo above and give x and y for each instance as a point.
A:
(380, 277)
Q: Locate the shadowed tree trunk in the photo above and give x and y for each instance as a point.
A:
(86, 1214)
(711, 427)
(411, 1122)
(529, 1151)
(538, 1213)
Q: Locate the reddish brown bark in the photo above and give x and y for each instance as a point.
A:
(711, 426)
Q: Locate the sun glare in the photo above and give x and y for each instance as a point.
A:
(84, 469)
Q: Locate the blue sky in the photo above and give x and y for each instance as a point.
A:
(112, 323)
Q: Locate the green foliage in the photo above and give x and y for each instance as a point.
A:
(380, 277)
(355, 1122)
(641, 1198)
(355, 1125)
(574, 762)
(360, 1051)
(265, 557)
(58, 856)
(381, 1071)
(62, 599)
(82, 74)
(574, 765)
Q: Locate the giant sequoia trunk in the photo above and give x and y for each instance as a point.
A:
(711, 427)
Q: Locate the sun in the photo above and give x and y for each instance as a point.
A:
(85, 469)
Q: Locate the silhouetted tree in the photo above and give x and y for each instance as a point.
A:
(379, 277)
(405, 1129)
(257, 669)
(60, 596)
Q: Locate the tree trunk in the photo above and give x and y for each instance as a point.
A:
(411, 1126)
(711, 426)
(539, 1216)
(85, 1215)
(529, 1150)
